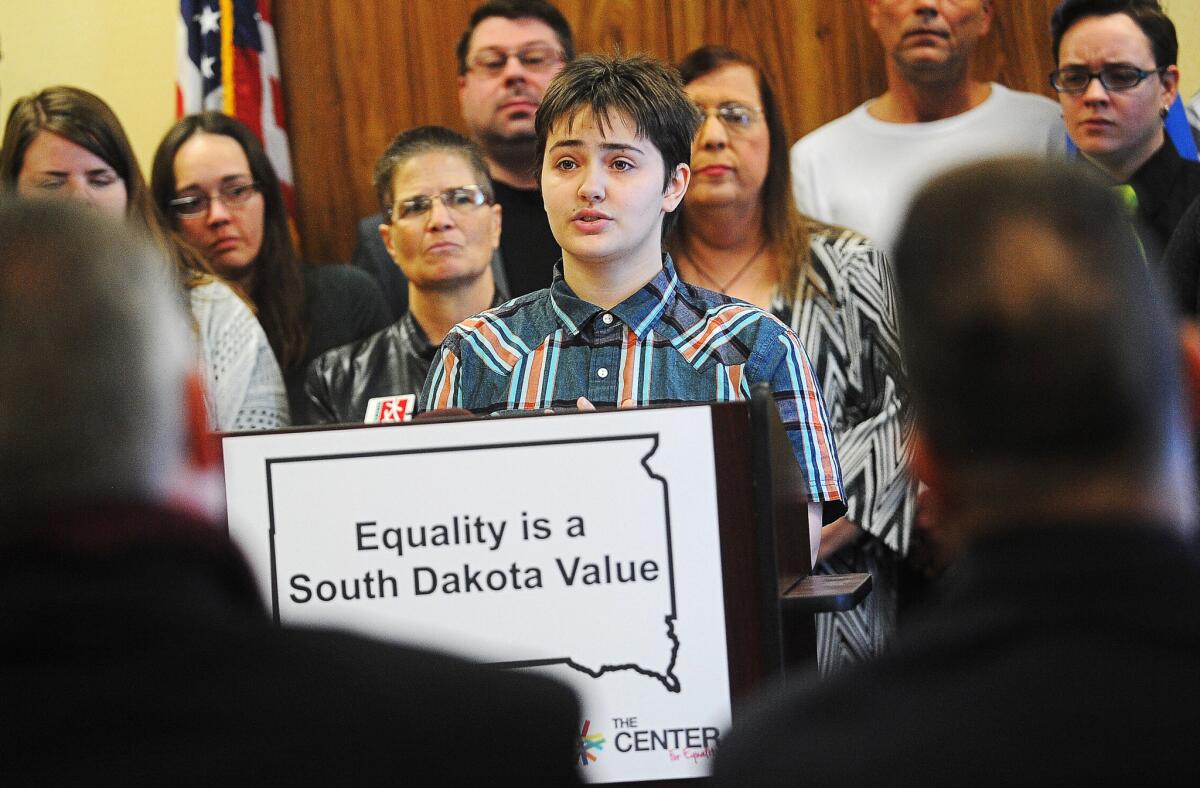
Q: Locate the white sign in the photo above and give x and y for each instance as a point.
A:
(581, 546)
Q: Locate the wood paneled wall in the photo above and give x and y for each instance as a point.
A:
(355, 73)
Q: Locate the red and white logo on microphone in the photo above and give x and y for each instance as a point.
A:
(387, 410)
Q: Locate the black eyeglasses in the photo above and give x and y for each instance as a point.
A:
(459, 199)
(736, 117)
(1075, 79)
(231, 195)
(539, 58)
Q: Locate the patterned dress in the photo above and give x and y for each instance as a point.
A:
(845, 316)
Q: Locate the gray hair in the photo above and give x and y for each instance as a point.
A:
(94, 349)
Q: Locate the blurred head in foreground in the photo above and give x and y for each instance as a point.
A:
(1045, 368)
(97, 358)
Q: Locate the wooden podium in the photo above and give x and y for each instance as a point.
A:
(779, 517)
(757, 512)
(759, 494)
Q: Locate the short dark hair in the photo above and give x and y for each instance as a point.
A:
(424, 139)
(279, 276)
(1146, 14)
(517, 9)
(1036, 339)
(645, 90)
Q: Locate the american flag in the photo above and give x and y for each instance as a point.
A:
(228, 61)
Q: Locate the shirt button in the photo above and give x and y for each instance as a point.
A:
(607, 319)
(602, 373)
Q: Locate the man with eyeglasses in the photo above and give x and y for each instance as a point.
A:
(441, 228)
(509, 52)
(1116, 80)
(860, 170)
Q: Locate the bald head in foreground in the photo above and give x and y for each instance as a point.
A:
(133, 644)
(1053, 425)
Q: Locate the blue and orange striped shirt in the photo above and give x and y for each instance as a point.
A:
(669, 342)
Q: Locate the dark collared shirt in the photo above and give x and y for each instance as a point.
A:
(1165, 185)
(669, 342)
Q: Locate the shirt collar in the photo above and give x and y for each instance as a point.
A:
(1153, 179)
(640, 311)
(418, 340)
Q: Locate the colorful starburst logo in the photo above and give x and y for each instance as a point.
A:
(588, 744)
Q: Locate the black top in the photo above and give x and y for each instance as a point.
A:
(343, 304)
(1062, 655)
(1165, 185)
(135, 650)
(1181, 262)
(371, 256)
(527, 247)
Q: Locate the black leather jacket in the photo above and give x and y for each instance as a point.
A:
(340, 382)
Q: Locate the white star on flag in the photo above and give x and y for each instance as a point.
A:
(210, 20)
(241, 80)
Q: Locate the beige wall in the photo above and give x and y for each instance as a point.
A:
(1186, 16)
(121, 50)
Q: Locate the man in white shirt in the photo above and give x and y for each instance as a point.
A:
(861, 170)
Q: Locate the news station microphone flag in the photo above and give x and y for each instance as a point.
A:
(228, 62)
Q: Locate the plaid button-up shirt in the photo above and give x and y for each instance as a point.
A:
(669, 342)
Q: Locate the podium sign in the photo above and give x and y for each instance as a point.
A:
(582, 546)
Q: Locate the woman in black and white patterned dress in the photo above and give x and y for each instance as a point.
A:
(740, 233)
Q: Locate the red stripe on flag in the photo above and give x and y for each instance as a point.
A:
(178, 101)
(277, 102)
(264, 10)
(289, 199)
(247, 87)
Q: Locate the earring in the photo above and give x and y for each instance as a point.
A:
(1162, 113)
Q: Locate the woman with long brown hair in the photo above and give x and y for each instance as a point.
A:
(740, 233)
(214, 182)
(66, 142)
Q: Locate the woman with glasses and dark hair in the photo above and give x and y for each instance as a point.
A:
(1116, 81)
(66, 142)
(740, 233)
(213, 180)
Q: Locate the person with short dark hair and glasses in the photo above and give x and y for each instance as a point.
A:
(1116, 80)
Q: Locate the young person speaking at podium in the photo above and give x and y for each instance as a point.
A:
(617, 327)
